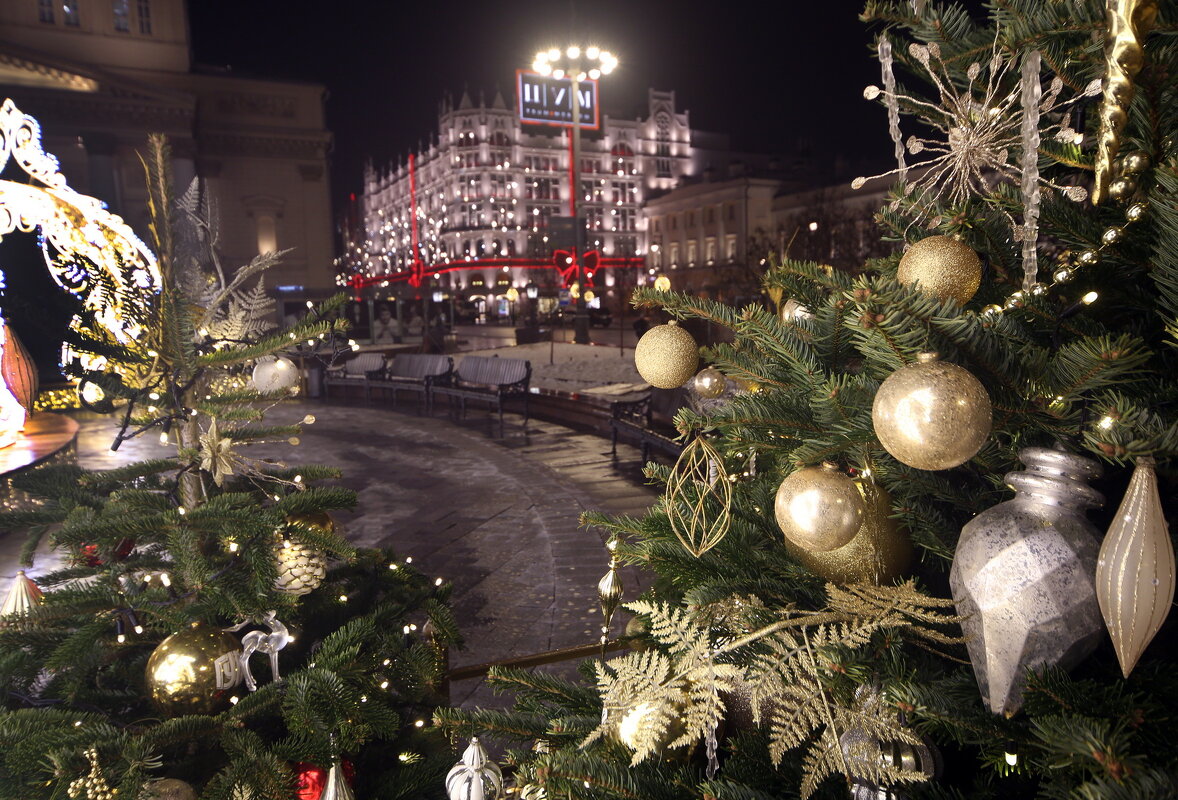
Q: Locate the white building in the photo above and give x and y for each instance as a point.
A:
(479, 201)
(100, 75)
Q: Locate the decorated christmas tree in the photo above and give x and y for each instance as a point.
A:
(915, 545)
(212, 633)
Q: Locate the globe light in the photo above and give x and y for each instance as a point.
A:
(553, 54)
(592, 52)
(580, 76)
(595, 73)
(558, 73)
(573, 51)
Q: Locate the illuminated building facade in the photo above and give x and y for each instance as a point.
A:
(477, 210)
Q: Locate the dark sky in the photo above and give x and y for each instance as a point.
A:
(768, 73)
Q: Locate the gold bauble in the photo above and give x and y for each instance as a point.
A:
(942, 267)
(635, 726)
(818, 508)
(194, 671)
(666, 356)
(879, 553)
(931, 414)
(710, 383)
(301, 568)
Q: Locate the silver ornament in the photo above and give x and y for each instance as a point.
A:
(261, 642)
(1022, 576)
(475, 777)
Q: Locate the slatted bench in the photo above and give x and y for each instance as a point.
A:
(488, 379)
(413, 372)
(647, 422)
(355, 373)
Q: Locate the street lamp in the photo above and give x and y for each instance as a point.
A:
(533, 292)
(577, 65)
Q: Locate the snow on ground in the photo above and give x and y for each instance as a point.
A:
(595, 369)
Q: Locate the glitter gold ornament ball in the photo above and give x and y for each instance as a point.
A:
(194, 671)
(931, 415)
(710, 383)
(666, 356)
(301, 568)
(942, 267)
(818, 508)
(879, 553)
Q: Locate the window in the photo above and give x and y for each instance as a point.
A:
(674, 222)
(708, 216)
(122, 11)
(673, 256)
(626, 219)
(691, 219)
(731, 212)
(691, 252)
(267, 234)
(69, 13)
(144, 8)
(710, 250)
(618, 192)
(730, 247)
(656, 224)
(45, 11)
(656, 257)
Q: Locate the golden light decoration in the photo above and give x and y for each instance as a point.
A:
(78, 227)
(699, 498)
(19, 369)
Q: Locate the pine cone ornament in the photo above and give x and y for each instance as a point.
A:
(300, 568)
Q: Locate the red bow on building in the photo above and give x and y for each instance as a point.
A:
(570, 269)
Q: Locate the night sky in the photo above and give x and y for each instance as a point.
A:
(774, 76)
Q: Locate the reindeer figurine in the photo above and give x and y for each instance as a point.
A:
(261, 642)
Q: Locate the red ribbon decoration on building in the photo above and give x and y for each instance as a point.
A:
(570, 268)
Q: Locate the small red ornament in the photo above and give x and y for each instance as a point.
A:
(89, 552)
(311, 778)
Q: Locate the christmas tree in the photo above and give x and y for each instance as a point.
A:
(880, 566)
(121, 673)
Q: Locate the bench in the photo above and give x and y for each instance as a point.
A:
(355, 372)
(649, 422)
(413, 372)
(488, 379)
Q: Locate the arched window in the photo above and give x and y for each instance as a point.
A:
(511, 247)
(621, 150)
(501, 139)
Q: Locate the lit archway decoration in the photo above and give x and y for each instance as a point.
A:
(73, 224)
(102, 261)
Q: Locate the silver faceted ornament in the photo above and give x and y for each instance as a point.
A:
(1023, 576)
(475, 777)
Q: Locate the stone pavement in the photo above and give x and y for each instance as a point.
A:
(496, 517)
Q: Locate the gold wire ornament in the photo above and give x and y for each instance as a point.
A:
(699, 498)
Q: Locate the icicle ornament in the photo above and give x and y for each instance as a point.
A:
(1032, 94)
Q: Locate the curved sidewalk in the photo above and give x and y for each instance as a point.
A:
(496, 517)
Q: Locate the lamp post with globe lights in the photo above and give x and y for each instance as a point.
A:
(577, 65)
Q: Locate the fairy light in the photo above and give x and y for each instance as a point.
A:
(419, 723)
(343, 598)
(232, 546)
(393, 566)
(386, 662)
(1011, 754)
(1105, 423)
(1089, 298)
(438, 581)
(181, 510)
(163, 438)
(384, 684)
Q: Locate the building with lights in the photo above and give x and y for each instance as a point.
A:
(102, 74)
(487, 205)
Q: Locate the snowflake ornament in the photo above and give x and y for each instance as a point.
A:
(980, 126)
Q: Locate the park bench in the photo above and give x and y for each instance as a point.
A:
(648, 422)
(413, 372)
(354, 374)
(487, 379)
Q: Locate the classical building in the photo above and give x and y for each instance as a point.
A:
(478, 210)
(100, 75)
